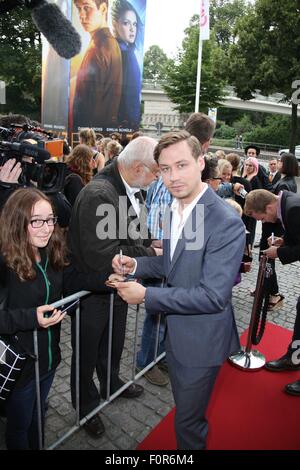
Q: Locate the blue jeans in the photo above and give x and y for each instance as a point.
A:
(21, 413)
(147, 351)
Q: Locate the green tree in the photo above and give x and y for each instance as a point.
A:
(20, 58)
(155, 64)
(181, 73)
(224, 132)
(266, 55)
(244, 124)
(276, 130)
(224, 15)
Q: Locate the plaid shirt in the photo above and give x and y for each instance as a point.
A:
(157, 200)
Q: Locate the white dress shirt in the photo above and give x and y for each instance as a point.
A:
(131, 194)
(179, 218)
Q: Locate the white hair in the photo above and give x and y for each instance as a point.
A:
(140, 149)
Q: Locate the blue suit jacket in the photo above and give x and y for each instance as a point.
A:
(197, 295)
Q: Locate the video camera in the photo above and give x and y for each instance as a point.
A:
(16, 142)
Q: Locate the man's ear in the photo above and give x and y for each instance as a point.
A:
(201, 162)
(138, 167)
(103, 8)
(270, 208)
(205, 146)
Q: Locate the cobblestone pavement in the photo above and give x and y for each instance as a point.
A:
(127, 422)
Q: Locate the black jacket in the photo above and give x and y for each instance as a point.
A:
(97, 209)
(276, 178)
(19, 316)
(287, 183)
(290, 212)
(72, 186)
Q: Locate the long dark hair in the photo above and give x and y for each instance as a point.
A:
(289, 165)
(79, 161)
(15, 243)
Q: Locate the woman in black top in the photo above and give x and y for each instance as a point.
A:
(36, 272)
(79, 171)
(288, 167)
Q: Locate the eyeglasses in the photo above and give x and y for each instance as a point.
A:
(247, 164)
(38, 223)
(217, 178)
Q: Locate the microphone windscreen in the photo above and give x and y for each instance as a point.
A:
(39, 154)
(57, 29)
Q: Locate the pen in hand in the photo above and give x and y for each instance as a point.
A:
(272, 238)
(121, 262)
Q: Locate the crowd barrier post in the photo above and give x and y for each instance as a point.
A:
(248, 358)
(37, 387)
(109, 398)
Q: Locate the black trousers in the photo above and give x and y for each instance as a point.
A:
(296, 333)
(94, 324)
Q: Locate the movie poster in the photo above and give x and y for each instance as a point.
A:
(106, 77)
(55, 82)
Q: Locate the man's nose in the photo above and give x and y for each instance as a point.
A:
(173, 174)
(82, 14)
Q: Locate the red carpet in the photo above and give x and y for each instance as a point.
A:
(248, 410)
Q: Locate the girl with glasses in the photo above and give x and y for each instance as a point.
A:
(36, 271)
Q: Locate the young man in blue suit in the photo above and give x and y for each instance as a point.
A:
(203, 245)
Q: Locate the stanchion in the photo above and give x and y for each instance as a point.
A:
(248, 358)
(109, 347)
(38, 390)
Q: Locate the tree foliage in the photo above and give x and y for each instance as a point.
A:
(276, 130)
(266, 55)
(224, 15)
(20, 58)
(182, 72)
(155, 63)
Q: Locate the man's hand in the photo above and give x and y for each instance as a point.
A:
(45, 322)
(158, 251)
(10, 171)
(247, 267)
(271, 252)
(236, 188)
(113, 279)
(275, 241)
(156, 244)
(123, 266)
(131, 292)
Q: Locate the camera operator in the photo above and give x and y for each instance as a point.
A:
(25, 163)
(10, 174)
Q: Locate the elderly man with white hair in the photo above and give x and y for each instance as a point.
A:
(107, 219)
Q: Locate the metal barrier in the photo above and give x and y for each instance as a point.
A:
(109, 398)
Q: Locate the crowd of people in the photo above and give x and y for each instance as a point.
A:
(168, 213)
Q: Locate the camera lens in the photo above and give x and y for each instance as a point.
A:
(50, 176)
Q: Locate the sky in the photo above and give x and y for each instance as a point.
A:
(166, 21)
